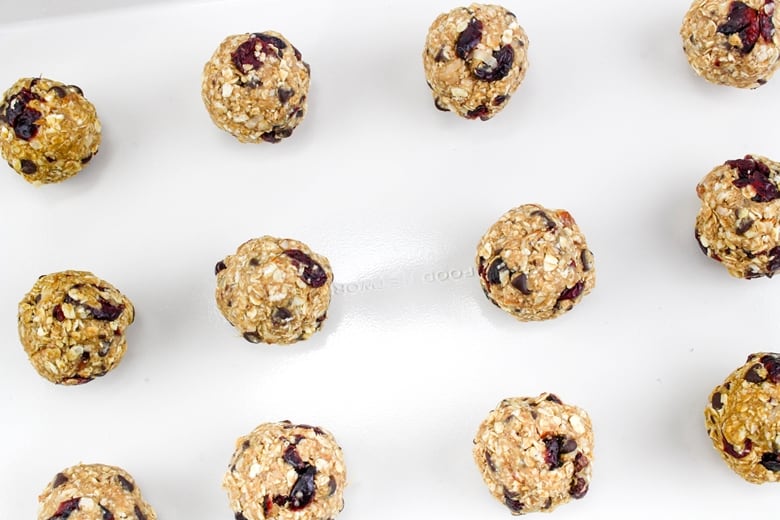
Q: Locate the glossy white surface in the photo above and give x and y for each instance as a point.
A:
(610, 124)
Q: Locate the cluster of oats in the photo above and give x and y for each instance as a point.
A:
(48, 130)
(474, 59)
(743, 419)
(534, 263)
(274, 290)
(739, 220)
(72, 325)
(535, 453)
(286, 471)
(255, 87)
(732, 42)
(93, 492)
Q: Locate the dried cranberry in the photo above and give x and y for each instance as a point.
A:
(268, 504)
(481, 112)
(755, 174)
(578, 488)
(772, 365)
(771, 461)
(731, 450)
(244, 57)
(107, 310)
(125, 483)
(520, 282)
(57, 313)
(59, 479)
(774, 261)
(717, 402)
(494, 271)
(511, 501)
(580, 462)
(499, 100)
(505, 58)
(550, 223)
(293, 458)
(20, 116)
(302, 492)
(65, 509)
(297, 53)
(750, 24)
(552, 451)
(267, 40)
(107, 515)
(571, 293)
(313, 274)
(468, 39)
(138, 513)
(219, 267)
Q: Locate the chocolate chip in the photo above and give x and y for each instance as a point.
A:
(554, 398)
(77, 89)
(586, 257)
(568, 446)
(550, 223)
(480, 112)
(332, 486)
(578, 488)
(771, 461)
(85, 160)
(497, 266)
(520, 282)
(752, 375)
(304, 489)
(717, 403)
(499, 100)
(138, 513)
(107, 515)
(57, 313)
(505, 58)
(511, 501)
(27, 166)
(284, 94)
(219, 267)
(253, 337)
(439, 106)
(293, 458)
(489, 461)
(59, 479)
(580, 462)
(240, 516)
(441, 55)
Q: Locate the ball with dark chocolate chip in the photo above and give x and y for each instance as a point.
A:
(286, 471)
(535, 453)
(72, 325)
(93, 492)
(274, 290)
(48, 130)
(739, 220)
(731, 42)
(474, 59)
(534, 263)
(742, 418)
(255, 87)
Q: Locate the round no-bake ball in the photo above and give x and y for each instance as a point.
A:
(534, 263)
(743, 419)
(739, 220)
(475, 58)
(535, 453)
(72, 325)
(732, 42)
(48, 130)
(255, 87)
(93, 492)
(286, 471)
(274, 290)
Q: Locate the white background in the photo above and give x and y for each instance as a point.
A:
(610, 124)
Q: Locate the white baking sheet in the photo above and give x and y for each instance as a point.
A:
(610, 124)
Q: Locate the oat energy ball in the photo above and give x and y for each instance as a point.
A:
(274, 290)
(739, 220)
(732, 43)
(93, 492)
(72, 325)
(534, 453)
(48, 130)
(286, 471)
(255, 87)
(534, 263)
(743, 419)
(475, 58)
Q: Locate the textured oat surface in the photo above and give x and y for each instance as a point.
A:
(48, 130)
(534, 263)
(286, 471)
(535, 453)
(255, 87)
(274, 290)
(738, 220)
(743, 419)
(474, 59)
(731, 44)
(72, 325)
(93, 492)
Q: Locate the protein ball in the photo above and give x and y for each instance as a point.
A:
(475, 58)
(93, 492)
(534, 263)
(274, 290)
(743, 419)
(738, 223)
(72, 325)
(534, 453)
(255, 87)
(286, 471)
(732, 43)
(48, 130)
